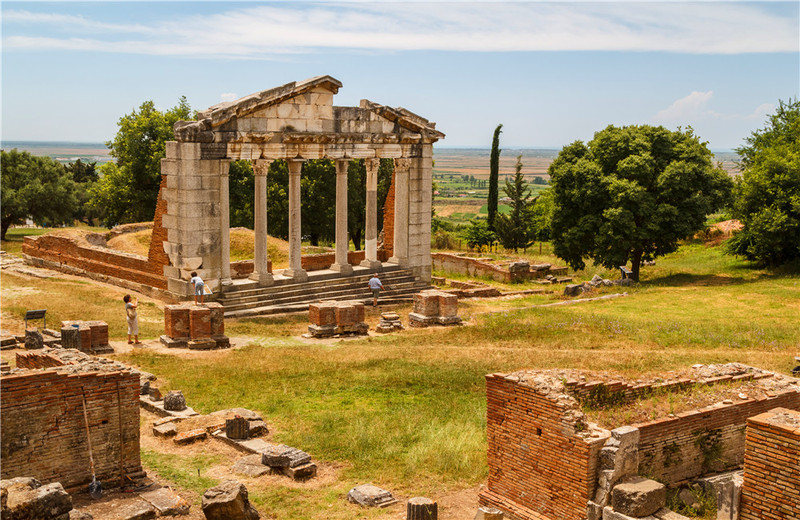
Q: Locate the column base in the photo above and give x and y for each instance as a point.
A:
(372, 264)
(262, 278)
(342, 268)
(399, 261)
(298, 275)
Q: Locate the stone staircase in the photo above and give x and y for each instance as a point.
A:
(245, 298)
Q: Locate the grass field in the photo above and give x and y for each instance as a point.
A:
(407, 411)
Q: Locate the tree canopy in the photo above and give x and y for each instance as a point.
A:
(767, 196)
(128, 189)
(631, 194)
(38, 188)
(515, 230)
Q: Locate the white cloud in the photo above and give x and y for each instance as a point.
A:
(687, 108)
(228, 96)
(266, 31)
(762, 111)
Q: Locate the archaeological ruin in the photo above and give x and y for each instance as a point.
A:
(547, 461)
(295, 122)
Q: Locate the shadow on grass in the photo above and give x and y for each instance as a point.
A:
(751, 275)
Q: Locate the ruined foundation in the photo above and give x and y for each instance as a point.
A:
(198, 327)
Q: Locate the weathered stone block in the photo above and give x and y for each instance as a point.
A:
(228, 501)
(345, 315)
(301, 472)
(370, 496)
(251, 466)
(638, 497)
(169, 429)
(237, 428)
(190, 436)
(166, 502)
(29, 501)
(283, 456)
(202, 344)
(33, 340)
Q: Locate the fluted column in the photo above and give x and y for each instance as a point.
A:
(225, 224)
(261, 259)
(295, 269)
(371, 232)
(341, 264)
(401, 170)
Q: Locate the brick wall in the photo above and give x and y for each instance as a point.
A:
(540, 465)
(43, 431)
(157, 257)
(37, 360)
(692, 443)
(475, 267)
(771, 487)
(67, 252)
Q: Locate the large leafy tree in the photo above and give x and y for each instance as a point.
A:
(542, 215)
(128, 189)
(494, 176)
(767, 196)
(357, 197)
(33, 187)
(515, 230)
(631, 194)
(85, 176)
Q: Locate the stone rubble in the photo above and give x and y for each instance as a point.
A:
(228, 501)
(389, 322)
(370, 496)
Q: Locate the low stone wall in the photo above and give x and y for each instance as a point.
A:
(771, 486)
(67, 255)
(315, 262)
(43, 429)
(479, 267)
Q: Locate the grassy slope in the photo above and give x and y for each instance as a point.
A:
(407, 411)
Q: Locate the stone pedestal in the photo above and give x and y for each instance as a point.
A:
(200, 327)
(434, 308)
(390, 322)
(330, 318)
(92, 336)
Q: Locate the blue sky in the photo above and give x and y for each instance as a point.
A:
(551, 72)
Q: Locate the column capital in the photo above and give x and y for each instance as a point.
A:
(402, 164)
(372, 163)
(261, 166)
(295, 166)
(342, 166)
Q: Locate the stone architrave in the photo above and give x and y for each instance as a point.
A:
(261, 272)
(371, 231)
(342, 265)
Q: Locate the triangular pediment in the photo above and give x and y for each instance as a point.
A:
(224, 112)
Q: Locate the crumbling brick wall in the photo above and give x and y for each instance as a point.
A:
(388, 220)
(33, 360)
(677, 449)
(63, 252)
(43, 430)
(156, 256)
(542, 462)
(771, 486)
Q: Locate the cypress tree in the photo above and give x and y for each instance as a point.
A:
(494, 175)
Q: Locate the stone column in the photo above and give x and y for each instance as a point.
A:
(224, 225)
(341, 264)
(371, 233)
(401, 169)
(261, 272)
(295, 269)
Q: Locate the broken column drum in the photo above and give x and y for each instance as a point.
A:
(295, 122)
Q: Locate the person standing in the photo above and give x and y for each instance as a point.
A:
(376, 286)
(199, 286)
(132, 318)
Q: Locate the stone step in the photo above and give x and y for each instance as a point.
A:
(252, 290)
(268, 310)
(351, 293)
(295, 291)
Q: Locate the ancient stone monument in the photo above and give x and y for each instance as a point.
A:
(294, 122)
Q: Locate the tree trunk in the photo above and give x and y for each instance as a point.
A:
(5, 226)
(636, 262)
